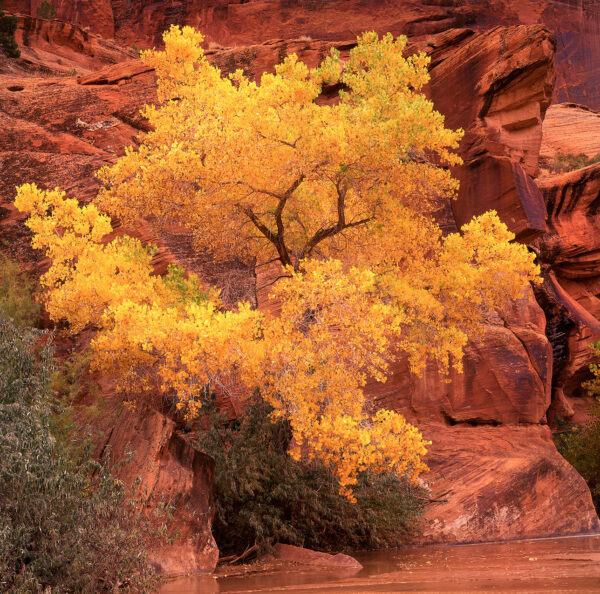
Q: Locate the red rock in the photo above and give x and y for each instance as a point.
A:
(570, 128)
(501, 483)
(576, 25)
(303, 556)
(61, 47)
(500, 104)
(506, 377)
(569, 254)
(164, 470)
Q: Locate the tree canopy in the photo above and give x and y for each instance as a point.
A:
(341, 195)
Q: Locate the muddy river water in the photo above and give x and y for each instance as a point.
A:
(570, 564)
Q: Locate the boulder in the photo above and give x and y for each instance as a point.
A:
(293, 554)
(502, 483)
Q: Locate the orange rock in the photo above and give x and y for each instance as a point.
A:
(293, 554)
(501, 483)
(569, 254)
(570, 128)
(61, 47)
(164, 469)
(500, 104)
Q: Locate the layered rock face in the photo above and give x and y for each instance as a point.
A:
(495, 472)
(482, 418)
(575, 23)
(570, 128)
(165, 469)
(61, 47)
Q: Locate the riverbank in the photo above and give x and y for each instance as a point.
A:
(568, 564)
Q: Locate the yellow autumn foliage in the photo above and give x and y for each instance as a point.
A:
(342, 195)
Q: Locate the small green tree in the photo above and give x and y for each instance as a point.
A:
(8, 26)
(564, 162)
(46, 10)
(65, 524)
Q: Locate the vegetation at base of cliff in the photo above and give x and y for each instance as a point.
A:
(17, 299)
(46, 11)
(263, 496)
(8, 26)
(564, 162)
(581, 445)
(65, 522)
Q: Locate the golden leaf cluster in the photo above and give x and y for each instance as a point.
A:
(342, 195)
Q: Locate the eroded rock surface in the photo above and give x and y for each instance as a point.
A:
(570, 128)
(164, 470)
(501, 483)
(575, 23)
(570, 256)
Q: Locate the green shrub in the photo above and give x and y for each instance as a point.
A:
(65, 524)
(580, 446)
(46, 10)
(564, 162)
(8, 26)
(262, 496)
(16, 294)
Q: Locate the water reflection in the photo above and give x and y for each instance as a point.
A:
(553, 565)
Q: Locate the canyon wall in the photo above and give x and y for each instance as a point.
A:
(575, 24)
(495, 473)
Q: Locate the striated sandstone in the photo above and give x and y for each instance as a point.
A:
(163, 469)
(501, 483)
(500, 104)
(60, 47)
(570, 256)
(575, 23)
(570, 128)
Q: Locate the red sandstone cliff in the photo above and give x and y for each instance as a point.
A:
(495, 472)
(575, 23)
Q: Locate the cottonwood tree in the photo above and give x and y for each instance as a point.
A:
(340, 195)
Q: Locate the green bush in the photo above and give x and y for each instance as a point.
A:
(581, 448)
(262, 496)
(581, 445)
(564, 162)
(16, 294)
(46, 10)
(8, 26)
(65, 524)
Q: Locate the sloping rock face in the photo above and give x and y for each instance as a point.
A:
(501, 483)
(151, 457)
(60, 47)
(570, 128)
(575, 23)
